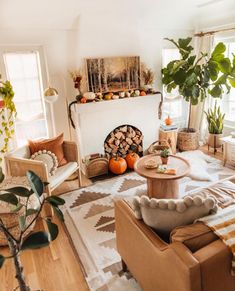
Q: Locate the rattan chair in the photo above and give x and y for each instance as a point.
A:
(18, 162)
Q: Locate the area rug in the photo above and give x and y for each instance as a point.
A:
(89, 218)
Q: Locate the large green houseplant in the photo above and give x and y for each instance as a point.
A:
(7, 115)
(215, 120)
(20, 198)
(196, 77)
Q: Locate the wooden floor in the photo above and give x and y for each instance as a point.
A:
(54, 268)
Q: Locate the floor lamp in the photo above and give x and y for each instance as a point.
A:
(50, 96)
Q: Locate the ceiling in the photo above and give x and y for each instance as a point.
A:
(64, 14)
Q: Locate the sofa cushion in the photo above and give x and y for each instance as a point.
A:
(54, 145)
(165, 214)
(194, 236)
(62, 173)
(47, 158)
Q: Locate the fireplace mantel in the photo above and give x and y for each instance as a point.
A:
(94, 121)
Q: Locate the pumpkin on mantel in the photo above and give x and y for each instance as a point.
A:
(131, 158)
(168, 120)
(117, 165)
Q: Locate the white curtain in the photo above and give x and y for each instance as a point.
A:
(198, 119)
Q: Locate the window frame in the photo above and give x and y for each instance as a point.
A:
(180, 120)
(42, 71)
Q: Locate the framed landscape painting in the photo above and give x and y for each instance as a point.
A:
(113, 74)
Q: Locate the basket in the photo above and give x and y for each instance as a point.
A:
(188, 141)
(97, 167)
(157, 146)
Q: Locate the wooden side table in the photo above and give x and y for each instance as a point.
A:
(171, 137)
(228, 150)
(162, 185)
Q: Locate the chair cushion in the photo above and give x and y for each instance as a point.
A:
(194, 236)
(165, 214)
(54, 145)
(62, 173)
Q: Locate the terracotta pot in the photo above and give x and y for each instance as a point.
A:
(164, 160)
(214, 140)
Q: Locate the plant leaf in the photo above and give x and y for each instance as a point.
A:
(55, 200)
(216, 91)
(17, 208)
(1, 175)
(35, 183)
(218, 50)
(58, 213)
(36, 240)
(52, 228)
(31, 211)
(22, 222)
(225, 66)
(19, 191)
(9, 198)
(2, 260)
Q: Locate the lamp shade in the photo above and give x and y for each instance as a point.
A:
(50, 95)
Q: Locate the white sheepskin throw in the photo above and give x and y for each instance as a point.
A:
(198, 162)
(165, 214)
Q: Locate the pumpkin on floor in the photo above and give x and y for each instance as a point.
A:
(117, 165)
(131, 158)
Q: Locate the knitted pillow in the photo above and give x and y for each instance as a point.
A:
(47, 158)
(165, 214)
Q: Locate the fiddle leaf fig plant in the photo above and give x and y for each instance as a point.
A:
(7, 114)
(20, 199)
(196, 77)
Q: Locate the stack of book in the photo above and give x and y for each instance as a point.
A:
(168, 127)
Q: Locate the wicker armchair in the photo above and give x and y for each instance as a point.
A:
(18, 163)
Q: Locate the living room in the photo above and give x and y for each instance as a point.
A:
(117, 145)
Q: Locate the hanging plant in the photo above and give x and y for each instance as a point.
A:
(7, 115)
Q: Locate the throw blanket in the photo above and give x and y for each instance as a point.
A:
(223, 225)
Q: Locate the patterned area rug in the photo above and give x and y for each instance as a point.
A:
(89, 218)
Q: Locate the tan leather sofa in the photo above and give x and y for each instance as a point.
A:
(195, 262)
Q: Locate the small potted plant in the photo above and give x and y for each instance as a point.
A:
(164, 154)
(215, 119)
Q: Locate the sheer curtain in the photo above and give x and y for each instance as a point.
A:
(198, 119)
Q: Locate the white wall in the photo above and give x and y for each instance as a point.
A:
(70, 31)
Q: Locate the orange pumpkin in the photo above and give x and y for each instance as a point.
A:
(168, 120)
(117, 165)
(83, 100)
(131, 158)
(142, 93)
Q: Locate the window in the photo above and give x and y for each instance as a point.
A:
(24, 72)
(228, 101)
(173, 102)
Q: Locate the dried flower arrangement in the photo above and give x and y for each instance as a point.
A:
(77, 78)
(147, 75)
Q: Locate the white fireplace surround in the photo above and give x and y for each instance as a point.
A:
(94, 121)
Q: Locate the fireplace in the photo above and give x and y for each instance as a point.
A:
(94, 122)
(122, 140)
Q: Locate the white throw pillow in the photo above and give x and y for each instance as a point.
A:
(165, 214)
(47, 158)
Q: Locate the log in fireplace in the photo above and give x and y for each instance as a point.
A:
(122, 140)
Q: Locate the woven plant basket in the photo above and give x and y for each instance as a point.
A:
(157, 146)
(188, 141)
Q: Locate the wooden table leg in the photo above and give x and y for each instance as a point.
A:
(163, 188)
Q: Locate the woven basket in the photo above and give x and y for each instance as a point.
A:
(157, 146)
(188, 141)
(97, 167)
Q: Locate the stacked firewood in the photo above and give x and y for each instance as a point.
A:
(123, 140)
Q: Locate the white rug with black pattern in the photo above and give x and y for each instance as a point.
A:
(89, 218)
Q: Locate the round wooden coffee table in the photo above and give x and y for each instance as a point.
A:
(162, 185)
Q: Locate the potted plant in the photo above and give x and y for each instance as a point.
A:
(21, 240)
(7, 115)
(164, 154)
(196, 78)
(215, 121)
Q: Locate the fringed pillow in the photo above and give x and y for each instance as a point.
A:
(47, 158)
